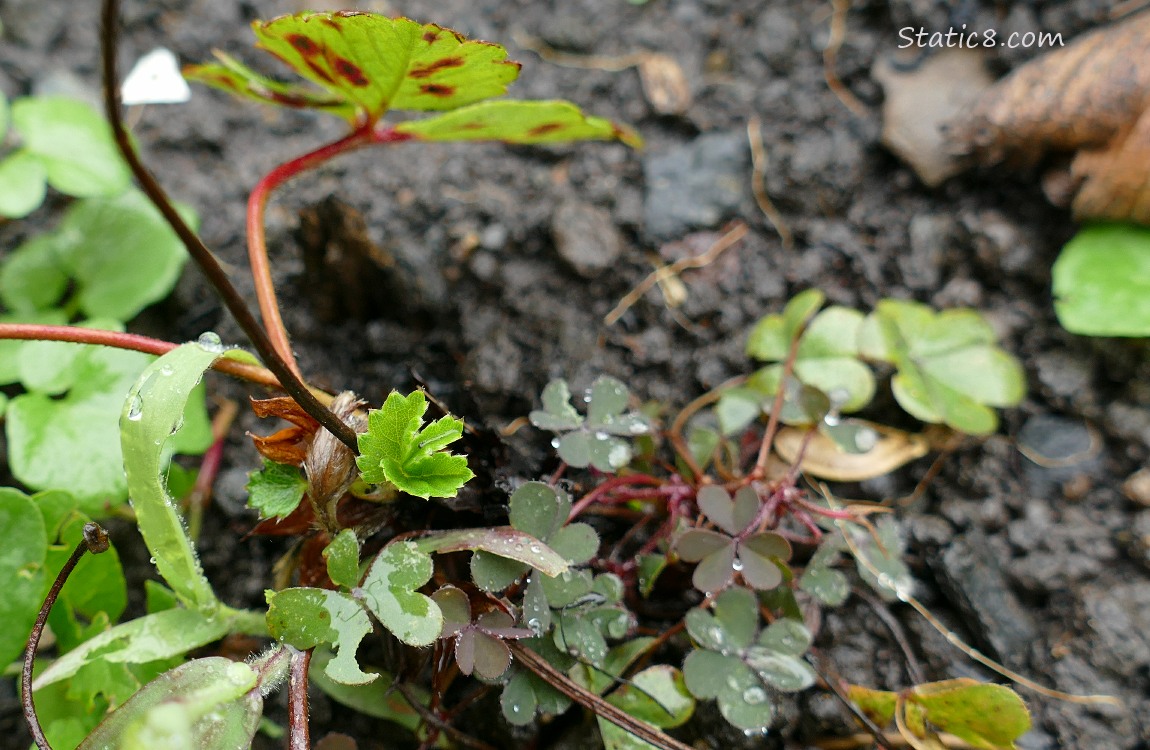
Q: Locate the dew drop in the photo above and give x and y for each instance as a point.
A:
(555, 442)
(535, 626)
(753, 696)
(737, 564)
(516, 708)
(637, 428)
(135, 407)
(536, 549)
(866, 439)
(210, 342)
(758, 732)
(166, 370)
(600, 435)
(152, 560)
(832, 420)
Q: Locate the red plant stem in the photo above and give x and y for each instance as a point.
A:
(613, 485)
(132, 342)
(95, 541)
(257, 238)
(195, 246)
(298, 731)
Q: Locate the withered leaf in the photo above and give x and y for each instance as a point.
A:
(1088, 100)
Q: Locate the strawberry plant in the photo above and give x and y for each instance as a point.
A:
(547, 608)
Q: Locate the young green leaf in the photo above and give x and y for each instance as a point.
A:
(1102, 281)
(742, 699)
(73, 143)
(399, 449)
(827, 355)
(212, 702)
(342, 557)
(822, 581)
(23, 184)
(658, 695)
(389, 591)
(153, 411)
(982, 714)
(276, 489)
(22, 559)
(949, 368)
(879, 560)
(161, 635)
(307, 617)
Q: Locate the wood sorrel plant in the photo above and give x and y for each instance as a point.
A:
(542, 612)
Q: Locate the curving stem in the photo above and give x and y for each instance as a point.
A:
(203, 257)
(95, 541)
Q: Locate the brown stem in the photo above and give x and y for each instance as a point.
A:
(298, 731)
(760, 470)
(199, 251)
(592, 702)
(95, 541)
(431, 718)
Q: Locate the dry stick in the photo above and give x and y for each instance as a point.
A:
(298, 731)
(95, 541)
(830, 55)
(758, 184)
(907, 598)
(593, 702)
(429, 716)
(203, 257)
(875, 732)
(913, 668)
(664, 272)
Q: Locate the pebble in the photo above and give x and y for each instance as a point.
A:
(1137, 487)
(979, 589)
(1065, 449)
(695, 185)
(1120, 616)
(586, 237)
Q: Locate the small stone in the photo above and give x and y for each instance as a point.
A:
(586, 238)
(1137, 487)
(695, 185)
(1064, 374)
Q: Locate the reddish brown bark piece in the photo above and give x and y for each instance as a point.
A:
(1089, 99)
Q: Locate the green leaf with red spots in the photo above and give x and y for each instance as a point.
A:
(516, 121)
(365, 64)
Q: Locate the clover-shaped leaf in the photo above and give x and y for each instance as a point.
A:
(307, 617)
(399, 448)
(878, 555)
(658, 695)
(389, 591)
(342, 557)
(949, 369)
(827, 355)
(822, 581)
(583, 625)
(753, 556)
(479, 645)
(743, 701)
(363, 64)
(525, 693)
(597, 440)
(541, 511)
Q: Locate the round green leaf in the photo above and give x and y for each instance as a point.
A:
(74, 144)
(342, 556)
(577, 542)
(23, 184)
(1102, 281)
(22, 559)
(307, 617)
(456, 609)
(538, 509)
(786, 636)
(784, 672)
(518, 700)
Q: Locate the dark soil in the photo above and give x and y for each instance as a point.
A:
(507, 259)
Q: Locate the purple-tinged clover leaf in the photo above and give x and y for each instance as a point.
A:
(733, 550)
(479, 643)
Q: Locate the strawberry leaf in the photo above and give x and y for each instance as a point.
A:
(517, 121)
(276, 489)
(398, 449)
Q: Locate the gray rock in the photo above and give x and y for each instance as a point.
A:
(586, 238)
(977, 586)
(929, 236)
(696, 185)
(1065, 447)
(1120, 616)
(1063, 373)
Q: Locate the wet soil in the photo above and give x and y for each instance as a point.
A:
(502, 262)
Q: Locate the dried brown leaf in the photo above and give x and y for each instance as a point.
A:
(825, 460)
(1089, 99)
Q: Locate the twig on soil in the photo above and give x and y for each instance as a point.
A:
(907, 598)
(874, 735)
(430, 717)
(232, 299)
(591, 701)
(728, 240)
(95, 541)
(830, 56)
(758, 184)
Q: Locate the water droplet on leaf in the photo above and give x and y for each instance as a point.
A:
(210, 342)
(135, 407)
(753, 696)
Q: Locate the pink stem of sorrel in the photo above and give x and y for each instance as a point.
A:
(613, 486)
(131, 342)
(257, 237)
